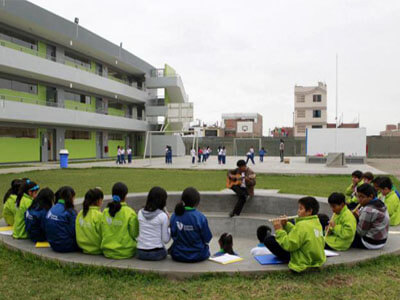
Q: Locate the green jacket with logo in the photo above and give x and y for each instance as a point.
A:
(19, 219)
(392, 203)
(342, 235)
(349, 193)
(88, 230)
(9, 210)
(119, 233)
(304, 241)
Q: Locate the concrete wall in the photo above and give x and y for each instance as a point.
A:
(158, 143)
(383, 146)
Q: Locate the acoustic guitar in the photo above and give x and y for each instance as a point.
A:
(236, 179)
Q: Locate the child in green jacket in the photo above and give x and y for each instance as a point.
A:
(9, 199)
(88, 222)
(390, 199)
(119, 226)
(301, 244)
(342, 227)
(26, 194)
(356, 181)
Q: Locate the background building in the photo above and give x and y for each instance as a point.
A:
(62, 86)
(243, 125)
(391, 130)
(310, 108)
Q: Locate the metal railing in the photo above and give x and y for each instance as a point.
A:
(68, 104)
(66, 62)
(161, 73)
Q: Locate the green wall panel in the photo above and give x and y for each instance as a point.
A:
(19, 149)
(81, 148)
(38, 98)
(112, 147)
(42, 49)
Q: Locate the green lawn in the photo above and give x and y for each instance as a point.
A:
(27, 277)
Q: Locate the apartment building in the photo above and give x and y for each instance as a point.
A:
(65, 87)
(310, 108)
(242, 125)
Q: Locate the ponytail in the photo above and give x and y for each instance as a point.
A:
(44, 200)
(24, 188)
(119, 192)
(226, 243)
(13, 190)
(190, 198)
(67, 194)
(91, 198)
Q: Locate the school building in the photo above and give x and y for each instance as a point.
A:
(65, 87)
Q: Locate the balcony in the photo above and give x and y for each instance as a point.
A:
(20, 63)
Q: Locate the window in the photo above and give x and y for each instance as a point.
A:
(18, 86)
(18, 39)
(316, 126)
(76, 59)
(77, 135)
(69, 95)
(316, 114)
(18, 132)
(301, 98)
(301, 113)
(316, 98)
(115, 105)
(301, 128)
(85, 99)
(115, 136)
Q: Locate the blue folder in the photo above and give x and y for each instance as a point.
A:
(268, 259)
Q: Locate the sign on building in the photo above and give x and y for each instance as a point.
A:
(244, 127)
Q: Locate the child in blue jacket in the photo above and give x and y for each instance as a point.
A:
(60, 222)
(189, 230)
(36, 214)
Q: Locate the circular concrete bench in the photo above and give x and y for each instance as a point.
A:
(215, 205)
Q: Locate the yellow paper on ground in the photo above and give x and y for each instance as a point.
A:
(226, 259)
(42, 245)
(6, 228)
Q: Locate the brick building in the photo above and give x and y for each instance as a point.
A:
(242, 125)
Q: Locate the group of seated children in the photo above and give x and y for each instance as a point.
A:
(117, 232)
(375, 205)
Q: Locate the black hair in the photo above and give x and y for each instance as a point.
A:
(119, 192)
(67, 194)
(156, 199)
(92, 196)
(358, 174)
(24, 188)
(376, 180)
(324, 220)
(385, 182)
(226, 243)
(190, 197)
(44, 200)
(368, 175)
(367, 190)
(13, 190)
(310, 203)
(241, 163)
(336, 198)
(262, 233)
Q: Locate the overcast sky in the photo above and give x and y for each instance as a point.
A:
(246, 56)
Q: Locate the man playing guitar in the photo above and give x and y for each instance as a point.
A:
(241, 181)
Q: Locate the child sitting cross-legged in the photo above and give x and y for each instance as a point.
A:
(373, 220)
(390, 199)
(262, 233)
(302, 243)
(226, 245)
(342, 226)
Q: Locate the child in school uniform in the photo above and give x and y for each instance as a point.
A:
(129, 153)
(375, 184)
(342, 227)
(373, 220)
(154, 231)
(189, 230)
(26, 194)
(302, 243)
(390, 199)
(35, 216)
(223, 155)
(262, 233)
(367, 177)
(88, 222)
(262, 152)
(9, 199)
(118, 155)
(193, 154)
(226, 245)
(119, 226)
(351, 190)
(60, 222)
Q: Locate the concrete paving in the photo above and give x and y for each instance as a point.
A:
(215, 206)
(272, 165)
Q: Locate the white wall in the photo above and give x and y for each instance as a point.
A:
(351, 141)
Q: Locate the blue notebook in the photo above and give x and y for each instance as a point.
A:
(268, 259)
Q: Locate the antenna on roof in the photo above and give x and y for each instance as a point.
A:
(76, 20)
